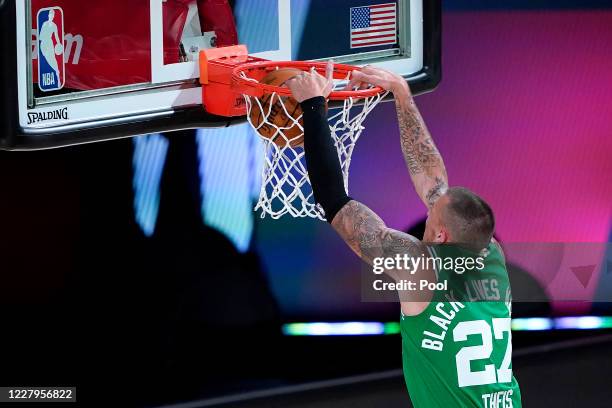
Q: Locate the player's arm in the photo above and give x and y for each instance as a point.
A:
(422, 157)
(368, 236)
(364, 232)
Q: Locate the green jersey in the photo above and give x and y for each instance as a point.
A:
(457, 352)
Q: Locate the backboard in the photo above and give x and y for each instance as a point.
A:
(116, 69)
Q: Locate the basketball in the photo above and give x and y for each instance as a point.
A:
(263, 116)
(59, 48)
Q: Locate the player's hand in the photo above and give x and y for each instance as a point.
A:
(311, 84)
(368, 76)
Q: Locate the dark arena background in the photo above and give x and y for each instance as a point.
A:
(136, 270)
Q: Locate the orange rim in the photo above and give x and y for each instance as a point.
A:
(255, 88)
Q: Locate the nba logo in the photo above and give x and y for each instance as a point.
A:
(50, 26)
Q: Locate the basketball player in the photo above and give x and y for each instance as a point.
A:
(48, 48)
(456, 353)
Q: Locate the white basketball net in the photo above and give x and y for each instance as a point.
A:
(285, 187)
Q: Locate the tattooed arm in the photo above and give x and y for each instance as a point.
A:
(422, 157)
(368, 236)
(362, 230)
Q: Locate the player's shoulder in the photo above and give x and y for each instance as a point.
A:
(499, 247)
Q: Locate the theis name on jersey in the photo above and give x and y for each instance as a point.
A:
(499, 399)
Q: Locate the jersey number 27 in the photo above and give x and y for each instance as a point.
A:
(466, 355)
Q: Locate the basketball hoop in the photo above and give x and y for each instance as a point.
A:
(285, 185)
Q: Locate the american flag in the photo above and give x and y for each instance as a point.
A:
(373, 25)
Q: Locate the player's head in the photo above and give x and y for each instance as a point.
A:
(462, 217)
(51, 14)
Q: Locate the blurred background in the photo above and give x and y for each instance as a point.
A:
(139, 265)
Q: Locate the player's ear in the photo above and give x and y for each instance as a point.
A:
(442, 236)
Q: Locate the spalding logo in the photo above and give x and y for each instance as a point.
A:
(56, 114)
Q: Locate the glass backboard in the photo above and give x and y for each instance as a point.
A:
(100, 70)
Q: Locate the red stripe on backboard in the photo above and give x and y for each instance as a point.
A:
(364, 37)
(378, 13)
(375, 43)
(382, 5)
(381, 24)
(358, 33)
